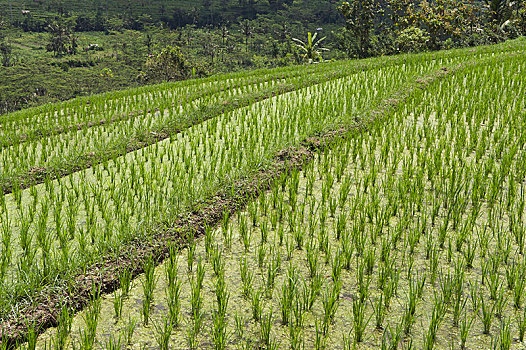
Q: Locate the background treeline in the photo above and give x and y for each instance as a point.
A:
(98, 15)
(57, 49)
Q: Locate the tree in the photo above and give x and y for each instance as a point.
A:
(210, 46)
(167, 65)
(62, 39)
(276, 4)
(445, 20)
(311, 50)
(359, 21)
(522, 17)
(499, 10)
(225, 34)
(6, 53)
(412, 39)
(148, 42)
(246, 30)
(402, 14)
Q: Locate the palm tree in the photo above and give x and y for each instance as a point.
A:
(246, 30)
(224, 36)
(311, 50)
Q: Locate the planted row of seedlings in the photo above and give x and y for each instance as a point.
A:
(161, 115)
(34, 122)
(408, 236)
(45, 151)
(56, 228)
(67, 145)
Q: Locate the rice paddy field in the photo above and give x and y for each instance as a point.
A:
(369, 204)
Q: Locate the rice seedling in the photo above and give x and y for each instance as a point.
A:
(434, 260)
(390, 288)
(369, 260)
(518, 289)
(379, 311)
(465, 327)
(500, 303)
(347, 342)
(347, 249)
(364, 282)
(392, 337)
(337, 266)
(264, 231)
(91, 320)
(436, 319)
(112, 343)
(266, 331)
(474, 294)
(118, 301)
(219, 334)
(521, 325)
(193, 330)
(261, 255)
(289, 248)
(129, 330)
(256, 304)
(296, 339)
(360, 321)
(239, 322)
(209, 239)
(273, 267)
(32, 334)
(191, 252)
(65, 319)
(196, 300)
(505, 338)
(487, 314)
(162, 332)
(148, 283)
(246, 277)
(246, 234)
(280, 234)
(320, 340)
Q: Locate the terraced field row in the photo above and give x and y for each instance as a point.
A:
(39, 121)
(56, 140)
(63, 139)
(357, 230)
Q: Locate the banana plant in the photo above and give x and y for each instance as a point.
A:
(311, 50)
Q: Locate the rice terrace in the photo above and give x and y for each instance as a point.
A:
(375, 203)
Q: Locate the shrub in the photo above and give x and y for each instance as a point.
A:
(412, 39)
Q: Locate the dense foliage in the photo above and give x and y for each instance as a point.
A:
(384, 27)
(57, 49)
